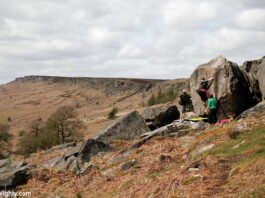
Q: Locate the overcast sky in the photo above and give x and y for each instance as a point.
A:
(126, 38)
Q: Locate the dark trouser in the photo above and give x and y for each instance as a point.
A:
(212, 117)
(204, 94)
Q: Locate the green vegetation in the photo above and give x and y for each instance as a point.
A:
(112, 113)
(29, 143)
(162, 97)
(250, 146)
(62, 126)
(4, 140)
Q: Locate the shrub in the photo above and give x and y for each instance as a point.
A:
(4, 135)
(61, 127)
(29, 143)
(9, 119)
(112, 113)
(4, 140)
(65, 124)
(151, 101)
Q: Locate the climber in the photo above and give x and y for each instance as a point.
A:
(184, 102)
(203, 89)
(212, 109)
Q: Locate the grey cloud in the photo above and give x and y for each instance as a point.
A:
(133, 38)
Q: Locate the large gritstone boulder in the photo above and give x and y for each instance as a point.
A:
(75, 158)
(13, 173)
(229, 86)
(160, 116)
(125, 128)
(255, 72)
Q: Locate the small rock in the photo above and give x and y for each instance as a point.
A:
(165, 157)
(193, 169)
(87, 167)
(234, 171)
(236, 146)
(200, 149)
(109, 172)
(201, 125)
(198, 176)
(127, 165)
(54, 181)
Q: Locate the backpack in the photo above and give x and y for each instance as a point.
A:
(184, 99)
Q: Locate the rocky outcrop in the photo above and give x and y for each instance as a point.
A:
(260, 107)
(157, 117)
(229, 86)
(255, 72)
(13, 173)
(125, 128)
(76, 158)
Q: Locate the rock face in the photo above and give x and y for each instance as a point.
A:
(127, 127)
(255, 71)
(159, 117)
(111, 85)
(90, 148)
(13, 173)
(260, 107)
(229, 86)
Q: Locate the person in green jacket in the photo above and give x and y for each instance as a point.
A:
(212, 109)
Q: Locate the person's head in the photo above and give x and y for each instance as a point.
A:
(202, 78)
(211, 96)
(183, 90)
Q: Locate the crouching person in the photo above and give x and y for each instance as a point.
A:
(212, 109)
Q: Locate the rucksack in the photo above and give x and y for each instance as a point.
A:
(184, 99)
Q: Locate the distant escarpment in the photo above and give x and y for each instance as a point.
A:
(111, 85)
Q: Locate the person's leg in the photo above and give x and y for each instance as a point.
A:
(210, 116)
(214, 116)
(207, 93)
(181, 110)
(203, 95)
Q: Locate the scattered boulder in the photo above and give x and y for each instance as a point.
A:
(75, 159)
(164, 157)
(9, 165)
(193, 169)
(229, 86)
(160, 116)
(127, 127)
(200, 149)
(13, 173)
(86, 168)
(127, 165)
(201, 125)
(90, 148)
(260, 107)
(61, 146)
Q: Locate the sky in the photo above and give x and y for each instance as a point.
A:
(126, 38)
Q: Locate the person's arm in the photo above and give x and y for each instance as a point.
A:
(207, 109)
(210, 79)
